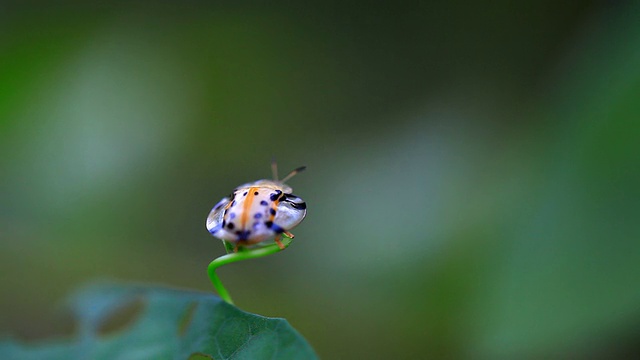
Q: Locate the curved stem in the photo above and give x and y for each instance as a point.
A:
(242, 254)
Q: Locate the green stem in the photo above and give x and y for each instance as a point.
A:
(242, 254)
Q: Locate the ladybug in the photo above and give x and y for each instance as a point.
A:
(257, 211)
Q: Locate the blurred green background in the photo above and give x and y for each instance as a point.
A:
(473, 170)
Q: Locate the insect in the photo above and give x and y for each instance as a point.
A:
(257, 211)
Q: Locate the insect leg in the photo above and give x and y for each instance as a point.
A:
(280, 244)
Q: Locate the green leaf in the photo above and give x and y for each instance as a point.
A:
(139, 322)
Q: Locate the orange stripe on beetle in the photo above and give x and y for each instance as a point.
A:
(275, 201)
(251, 194)
(272, 211)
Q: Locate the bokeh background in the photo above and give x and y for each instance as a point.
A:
(473, 169)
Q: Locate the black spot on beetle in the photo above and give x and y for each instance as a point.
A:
(277, 229)
(272, 211)
(215, 230)
(257, 216)
(268, 224)
(274, 196)
(255, 193)
(299, 206)
(245, 194)
(243, 235)
(264, 203)
(230, 226)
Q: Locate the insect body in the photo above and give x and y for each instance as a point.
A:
(257, 211)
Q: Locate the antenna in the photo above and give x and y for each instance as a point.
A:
(293, 173)
(274, 168)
